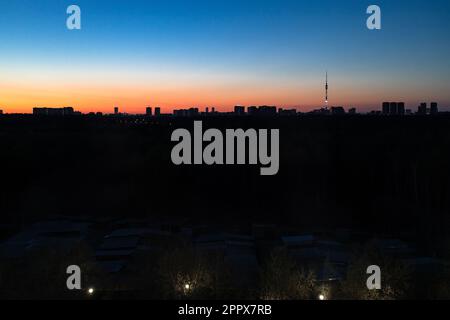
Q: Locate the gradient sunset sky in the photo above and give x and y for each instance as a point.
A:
(173, 53)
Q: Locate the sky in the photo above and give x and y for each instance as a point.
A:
(174, 54)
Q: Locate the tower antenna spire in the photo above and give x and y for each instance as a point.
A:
(326, 89)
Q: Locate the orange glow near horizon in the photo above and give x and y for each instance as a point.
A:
(23, 98)
(208, 54)
(101, 92)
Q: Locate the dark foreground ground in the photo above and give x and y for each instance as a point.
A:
(345, 184)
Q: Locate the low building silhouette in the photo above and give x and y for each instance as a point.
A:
(287, 112)
(337, 111)
(192, 112)
(267, 110)
(67, 111)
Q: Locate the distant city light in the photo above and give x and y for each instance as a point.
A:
(321, 297)
(91, 291)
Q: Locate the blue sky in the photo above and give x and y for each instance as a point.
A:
(230, 50)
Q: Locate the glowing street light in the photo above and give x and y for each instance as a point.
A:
(321, 297)
(91, 291)
(187, 286)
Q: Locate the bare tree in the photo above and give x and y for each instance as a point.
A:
(395, 277)
(281, 279)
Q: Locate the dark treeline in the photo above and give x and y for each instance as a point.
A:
(376, 174)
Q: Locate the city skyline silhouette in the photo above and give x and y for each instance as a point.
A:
(174, 55)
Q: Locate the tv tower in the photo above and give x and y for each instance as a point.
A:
(326, 90)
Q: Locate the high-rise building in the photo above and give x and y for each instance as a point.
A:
(422, 110)
(206, 110)
(116, 110)
(401, 108)
(239, 110)
(393, 108)
(157, 111)
(386, 108)
(434, 108)
(148, 111)
(1, 111)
